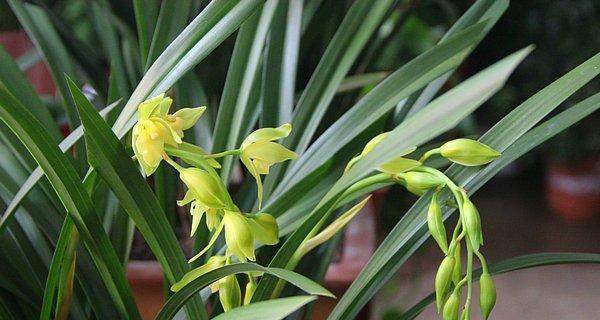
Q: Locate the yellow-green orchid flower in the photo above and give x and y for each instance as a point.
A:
(241, 230)
(156, 127)
(205, 196)
(238, 236)
(259, 151)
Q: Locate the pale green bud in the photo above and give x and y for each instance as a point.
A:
(457, 271)
(436, 223)
(472, 223)
(250, 288)
(451, 307)
(370, 146)
(416, 191)
(184, 119)
(422, 180)
(399, 165)
(468, 152)
(230, 294)
(487, 294)
(204, 187)
(443, 278)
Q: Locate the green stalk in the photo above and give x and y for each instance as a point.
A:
(469, 276)
(428, 154)
(234, 152)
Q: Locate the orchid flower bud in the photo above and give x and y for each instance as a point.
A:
(457, 271)
(487, 295)
(204, 187)
(230, 294)
(435, 223)
(451, 307)
(468, 152)
(259, 152)
(472, 223)
(250, 288)
(416, 191)
(370, 146)
(238, 236)
(422, 180)
(184, 119)
(443, 278)
(399, 165)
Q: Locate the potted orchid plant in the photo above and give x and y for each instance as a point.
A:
(265, 179)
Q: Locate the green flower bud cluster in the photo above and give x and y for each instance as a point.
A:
(418, 179)
(158, 136)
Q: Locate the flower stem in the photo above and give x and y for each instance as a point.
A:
(428, 154)
(172, 163)
(233, 152)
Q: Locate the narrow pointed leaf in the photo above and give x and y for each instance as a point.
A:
(108, 156)
(192, 286)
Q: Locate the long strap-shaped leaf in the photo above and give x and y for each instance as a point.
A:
(211, 27)
(44, 225)
(280, 64)
(37, 173)
(513, 264)
(241, 80)
(42, 32)
(357, 27)
(406, 80)
(479, 11)
(65, 180)
(275, 309)
(66, 234)
(16, 82)
(441, 115)
(404, 238)
(191, 286)
(108, 157)
(369, 109)
(172, 18)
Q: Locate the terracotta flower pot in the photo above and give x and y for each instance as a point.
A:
(573, 192)
(17, 43)
(146, 281)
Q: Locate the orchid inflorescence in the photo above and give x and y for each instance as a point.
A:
(158, 136)
(418, 179)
